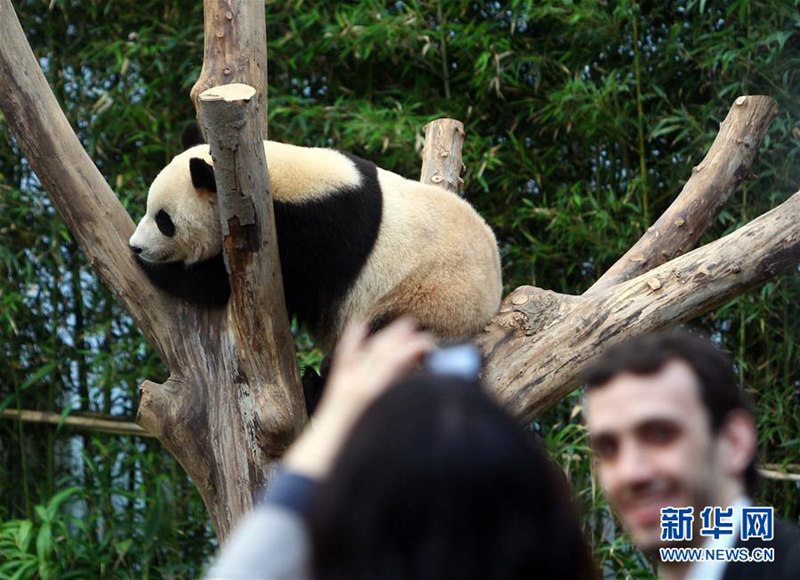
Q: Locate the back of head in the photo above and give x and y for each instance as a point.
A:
(436, 481)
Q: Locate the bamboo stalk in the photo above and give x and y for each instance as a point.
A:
(777, 475)
(113, 426)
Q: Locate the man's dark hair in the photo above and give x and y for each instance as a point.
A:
(648, 354)
(436, 481)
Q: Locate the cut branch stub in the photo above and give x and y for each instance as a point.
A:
(263, 343)
(441, 155)
(236, 199)
(712, 182)
(235, 51)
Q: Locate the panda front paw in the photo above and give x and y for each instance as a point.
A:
(313, 385)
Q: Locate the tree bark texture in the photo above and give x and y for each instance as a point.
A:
(441, 155)
(229, 407)
(713, 181)
(541, 342)
(235, 51)
(257, 311)
(233, 402)
(241, 376)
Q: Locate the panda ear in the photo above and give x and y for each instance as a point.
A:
(192, 135)
(202, 174)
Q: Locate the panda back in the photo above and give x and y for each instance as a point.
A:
(302, 174)
(326, 232)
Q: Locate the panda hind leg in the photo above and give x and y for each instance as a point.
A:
(381, 322)
(314, 383)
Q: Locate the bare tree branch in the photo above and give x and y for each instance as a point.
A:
(264, 344)
(713, 181)
(778, 476)
(232, 402)
(533, 364)
(91, 424)
(90, 209)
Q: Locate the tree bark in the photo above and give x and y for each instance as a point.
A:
(541, 342)
(713, 181)
(441, 155)
(233, 401)
(242, 403)
(258, 321)
(235, 51)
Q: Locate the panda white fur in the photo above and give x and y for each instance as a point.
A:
(355, 242)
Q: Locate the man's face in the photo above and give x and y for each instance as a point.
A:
(653, 447)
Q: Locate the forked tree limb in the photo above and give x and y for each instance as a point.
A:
(713, 180)
(534, 311)
(215, 413)
(90, 209)
(235, 51)
(234, 404)
(441, 154)
(222, 414)
(533, 365)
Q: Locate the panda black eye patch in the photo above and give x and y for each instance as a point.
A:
(164, 223)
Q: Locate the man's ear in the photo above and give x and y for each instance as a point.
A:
(192, 136)
(202, 174)
(739, 440)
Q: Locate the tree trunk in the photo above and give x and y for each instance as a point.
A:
(234, 51)
(233, 402)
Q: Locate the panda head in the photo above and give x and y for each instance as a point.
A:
(182, 221)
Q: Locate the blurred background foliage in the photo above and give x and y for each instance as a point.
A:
(583, 121)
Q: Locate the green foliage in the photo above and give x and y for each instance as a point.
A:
(24, 558)
(583, 121)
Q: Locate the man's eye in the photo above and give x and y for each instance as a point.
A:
(659, 434)
(604, 448)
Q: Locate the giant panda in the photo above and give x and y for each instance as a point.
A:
(355, 242)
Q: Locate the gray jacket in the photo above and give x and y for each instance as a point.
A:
(271, 542)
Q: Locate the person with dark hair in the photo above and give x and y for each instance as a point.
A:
(436, 482)
(674, 441)
(426, 479)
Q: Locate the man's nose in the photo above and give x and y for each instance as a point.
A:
(634, 464)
